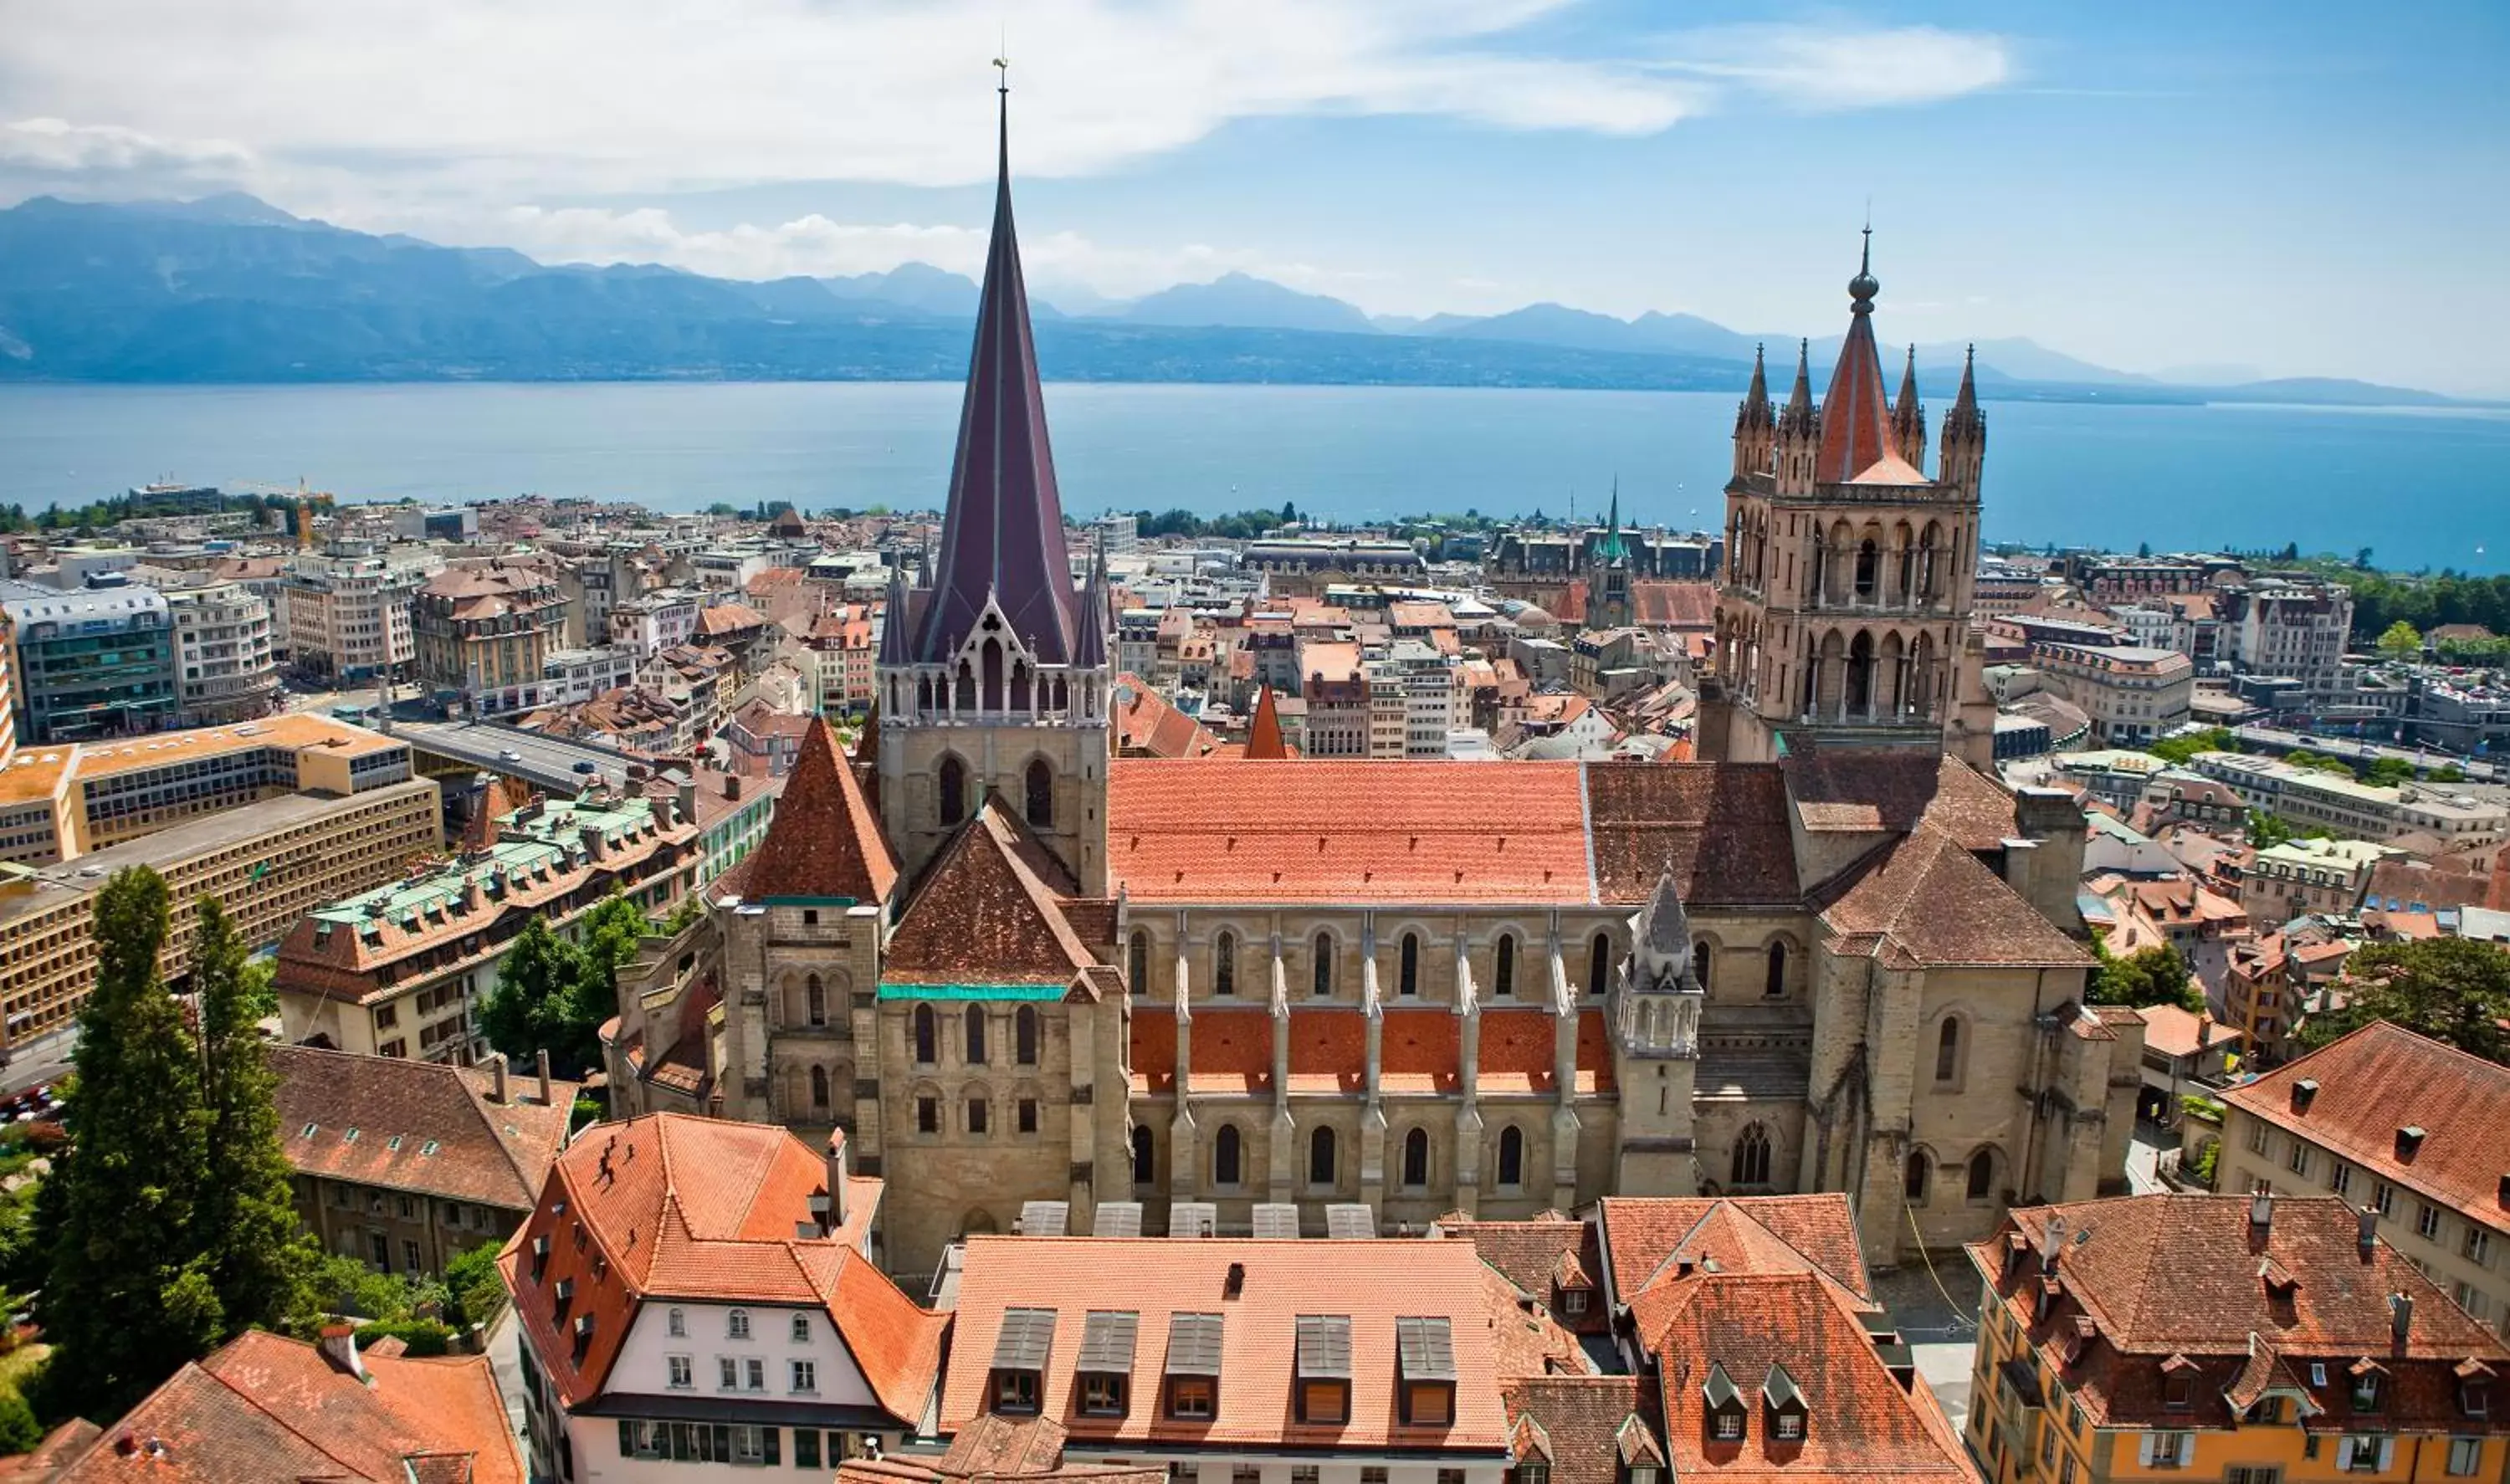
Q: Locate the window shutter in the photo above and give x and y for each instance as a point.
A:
(772, 1435)
(2144, 1450)
(2187, 1449)
(2388, 1453)
(627, 1438)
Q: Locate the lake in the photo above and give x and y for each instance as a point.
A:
(2419, 487)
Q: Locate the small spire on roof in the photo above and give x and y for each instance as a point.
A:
(1800, 399)
(1264, 735)
(1966, 403)
(1909, 380)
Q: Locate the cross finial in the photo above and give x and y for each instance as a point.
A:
(1001, 74)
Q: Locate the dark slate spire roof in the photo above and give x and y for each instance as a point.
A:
(894, 619)
(1855, 415)
(1799, 400)
(1089, 643)
(1755, 411)
(1003, 537)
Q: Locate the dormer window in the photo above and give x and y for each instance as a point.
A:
(2178, 1384)
(1573, 1300)
(1323, 1359)
(1105, 1368)
(1785, 1405)
(1020, 1352)
(2369, 1386)
(540, 1257)
(1724, 1418)
(2475, 1388)
(1192, 1375)
(1424, 1369)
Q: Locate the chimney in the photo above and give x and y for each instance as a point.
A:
(2366, 1230)
(2052, 1241)
(2304, 1093)
(732, 786)
(837, 1164)
(495, 1077)
(2410, 1142)
(540, 1060)
(2262, 1212)
(663, 813)
(2400, 1315)
(689, 802)
(594, 844)
(339, 1347)
(1235, 1283)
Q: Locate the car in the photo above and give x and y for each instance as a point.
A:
(511, 755)
(588, 767)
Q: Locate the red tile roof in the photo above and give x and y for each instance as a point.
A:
(2383, 1078)
(1346, 830)
(1721, 828)
(2146, 1282)
(824, 842)
(1892, 908)
(1541, 1257)
(673, 1206)
(1264, 735)
(265, 1408)
(418, 1126)
(1644, 1237)
(986, 912)
(1582, 1425)
(1374, 1282)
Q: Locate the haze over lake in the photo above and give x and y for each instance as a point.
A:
(2419, 487)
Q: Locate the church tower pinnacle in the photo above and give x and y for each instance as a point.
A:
(993, 679)
(1909, 416)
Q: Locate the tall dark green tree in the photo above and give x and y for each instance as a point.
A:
(539, 1003)
(128, 1299)
(2452, 989)
(260, 1258)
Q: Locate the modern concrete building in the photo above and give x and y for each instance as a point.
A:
(349, 613)
(93, 661)
(225, 670)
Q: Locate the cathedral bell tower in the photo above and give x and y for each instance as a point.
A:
(1842, 616)
(994, 678)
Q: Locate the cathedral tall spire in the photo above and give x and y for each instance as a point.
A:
(1855, 416)
(1001, 540)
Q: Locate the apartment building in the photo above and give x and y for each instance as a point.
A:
(405, 1166)
(2299, 876)
(701, 1299)
(1340, 716)
(269, 864)
(225, 670)
(400, 970)
(2275, 627)
(2132, 693)
(349, 612)
(92, 661)
(2456, 822)
(2404, 1127)
(2264, 1340)
(488, 631)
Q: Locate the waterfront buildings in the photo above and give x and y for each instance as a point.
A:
(225, 668)
(2402, 1127)
(2132, 694)
(404, 1165)
(349, 612)
(487, 632)
(95, 660)
(2264, 1337)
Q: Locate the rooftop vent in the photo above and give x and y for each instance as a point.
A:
(2304, 1093)
(2410, 1142)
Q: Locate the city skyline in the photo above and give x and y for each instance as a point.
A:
(2162, 192)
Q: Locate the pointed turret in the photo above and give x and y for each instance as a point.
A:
(1264, 735)
(824, 843)
(1002, 539)
(895, 646)
(1089, 643)
(1755, 421)
(866, 758)
(1965, 443)
(1855, 416)
(1909, 416)
(1799, 430)
(1800, 415)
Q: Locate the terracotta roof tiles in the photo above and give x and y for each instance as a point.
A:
(418, 1126)
(985, 912)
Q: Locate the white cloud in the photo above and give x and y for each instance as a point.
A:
(58, 145)
(1820, 68)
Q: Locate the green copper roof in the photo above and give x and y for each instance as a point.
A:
(971, 991)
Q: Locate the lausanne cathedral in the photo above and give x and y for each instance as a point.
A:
(1832, 956)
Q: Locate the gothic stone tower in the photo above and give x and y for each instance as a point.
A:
(1844, 617)
(1657, 1004)
(993, 679)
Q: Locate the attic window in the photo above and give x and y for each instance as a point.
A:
(2475, 1388)
(1786, 1406)
(393, 1143)
(1725, 1415)
(309, 1131)
(2178, 1384)
(351, 1137)
(1105, 1365)
(1192, 1375)
(1323, 1359)
(2410, 1142)
(432, 1145)
(1020, 1351)
(1424, 1365)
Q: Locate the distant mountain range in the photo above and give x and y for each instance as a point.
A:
(230, 289)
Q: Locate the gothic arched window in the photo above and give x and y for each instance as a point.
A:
(1138, 962)
(965, 699)
(1599, 963)
(1752, 1156)
(1511, 1157)
(1947, 1049)
(1024, 1036)
(924, 1036)
(1699, 962)
(975, 1035)
(1408, 979)
(1504, 967)
(1224, 963)
(1225, 1156)
(1040, 794)
(1416, 1159)
(1920, 1174)
(818, 1086)
(1982, 1174)
(1776, 983)
(816, 994)
(1323, 956)
(1141, 1159)
(1321, 1157)
(954, 790)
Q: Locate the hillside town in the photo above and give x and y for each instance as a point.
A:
(985, 995)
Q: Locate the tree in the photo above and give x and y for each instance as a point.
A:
(2449, 773)
(2452, 989)
(533, 1007)
(2155, 976)
(2266, 829)
(259, 1256)
(2387, 771)
(2400, 642)
(2183, 750)
(127, 1298)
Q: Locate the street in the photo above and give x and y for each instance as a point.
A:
(44, 1059)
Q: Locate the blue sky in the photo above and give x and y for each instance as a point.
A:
(2297, 188)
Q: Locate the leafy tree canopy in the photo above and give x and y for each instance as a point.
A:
(2452, 989)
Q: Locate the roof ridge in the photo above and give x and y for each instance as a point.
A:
(283, 1420)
